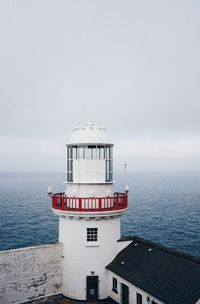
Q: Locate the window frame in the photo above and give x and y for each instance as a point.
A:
(90, 152)
(92, 234)
(138, 298)
(108, 154)
(114, 285)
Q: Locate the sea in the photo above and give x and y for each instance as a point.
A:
(164, 207)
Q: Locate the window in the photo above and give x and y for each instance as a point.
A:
(100, 152)
(139, 298)
(92, 152)
(108, 171)
(114, 287)
(92, 234)
(108, 164)
(81, 152)
(71, 153)
(74, 152)
(70, 170)
(107, 152)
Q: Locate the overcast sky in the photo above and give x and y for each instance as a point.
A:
(130, 66)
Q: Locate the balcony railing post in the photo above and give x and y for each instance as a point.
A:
(100, 204)
(62, 200)
(79, 204)
(117, 202)
(53, 201)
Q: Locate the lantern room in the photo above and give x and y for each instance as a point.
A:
(89, 163)
(89, 174)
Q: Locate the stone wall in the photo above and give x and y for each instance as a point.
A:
(28, 273)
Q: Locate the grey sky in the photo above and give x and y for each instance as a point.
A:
(131, 66)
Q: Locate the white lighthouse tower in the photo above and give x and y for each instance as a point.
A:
(89, 214)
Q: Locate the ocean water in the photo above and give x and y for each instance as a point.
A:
(163, 207)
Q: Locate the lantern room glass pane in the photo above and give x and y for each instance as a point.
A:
(91, 152)
(70, 170)
(69, 152)
(111, 165)
(108, 170)
(107, 176)
(107, 165)
(101, 152)
(74, 152)
(108, 152)
(111, 152)
(81, 153)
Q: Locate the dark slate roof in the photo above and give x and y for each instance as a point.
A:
(168, 275)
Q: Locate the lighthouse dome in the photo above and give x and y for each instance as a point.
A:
(90, 134)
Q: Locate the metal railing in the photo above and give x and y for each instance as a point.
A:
(118, 201)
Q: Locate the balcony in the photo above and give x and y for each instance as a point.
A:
(117, 202)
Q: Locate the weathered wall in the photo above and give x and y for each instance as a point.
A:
(30, 272)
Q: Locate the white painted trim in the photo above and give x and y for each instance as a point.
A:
(92, 244)
(90, 214)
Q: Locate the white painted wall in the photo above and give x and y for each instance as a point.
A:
(89, 170)
(132, 291)
(122, 245)
(80, 257)
(89, 190)
(28, 273)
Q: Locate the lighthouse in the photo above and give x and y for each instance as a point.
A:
(89, 213)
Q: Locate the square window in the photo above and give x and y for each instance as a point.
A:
(92, 234)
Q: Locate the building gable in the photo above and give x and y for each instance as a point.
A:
(170, 276)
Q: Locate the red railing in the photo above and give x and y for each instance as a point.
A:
(118, 201)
